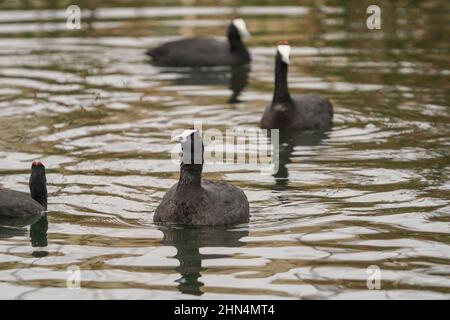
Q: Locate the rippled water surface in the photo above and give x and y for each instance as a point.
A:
(375, 190)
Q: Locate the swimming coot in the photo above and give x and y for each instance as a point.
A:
(195, 52)
(301, 112)
(14, 204)
(193, 201)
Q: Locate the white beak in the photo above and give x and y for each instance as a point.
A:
(285, 51)
(241, 26)
(182, 137)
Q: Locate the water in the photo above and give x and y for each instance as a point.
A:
(375, 190)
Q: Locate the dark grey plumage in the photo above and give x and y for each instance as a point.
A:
(15, 204)
(215, 203)
(18, 205)
(301, 112)
(196, 52)
(193, 201)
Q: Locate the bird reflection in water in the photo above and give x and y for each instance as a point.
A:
(38, 236)
(288, 140)
(235, 77)
(38, 232)
(188, 241)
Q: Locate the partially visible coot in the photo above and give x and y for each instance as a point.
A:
(197, 52)
(301, 112)
(193, 201)
(20, 208)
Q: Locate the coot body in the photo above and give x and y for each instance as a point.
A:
(197, 52)
(193, 201)
(15, 204)
(300, 112)
(18, 205)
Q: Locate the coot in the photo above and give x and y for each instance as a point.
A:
(196, 52)
(16, 205)
(193, 201)
(301, 112)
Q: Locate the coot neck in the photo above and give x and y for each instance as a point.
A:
(38, 188)
(236, 45)
(190, 177)
(281, 92)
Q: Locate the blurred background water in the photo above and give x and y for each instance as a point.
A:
(375, 190)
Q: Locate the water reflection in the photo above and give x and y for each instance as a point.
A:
(38, 236)
(235, 77)
(10, 228)
(374, 190)
(288, 140)
(188, 241)
(8, 222)
(238, 81)
(10, 232)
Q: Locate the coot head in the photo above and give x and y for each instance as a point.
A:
(283, 52)
(192, 159)
(238, 28)
(38, 183)
(192, 147)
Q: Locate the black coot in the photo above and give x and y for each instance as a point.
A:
(193, 201)
(196, 52)
(301, 112)
(18, 205)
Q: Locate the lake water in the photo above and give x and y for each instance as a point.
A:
(372, 192)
